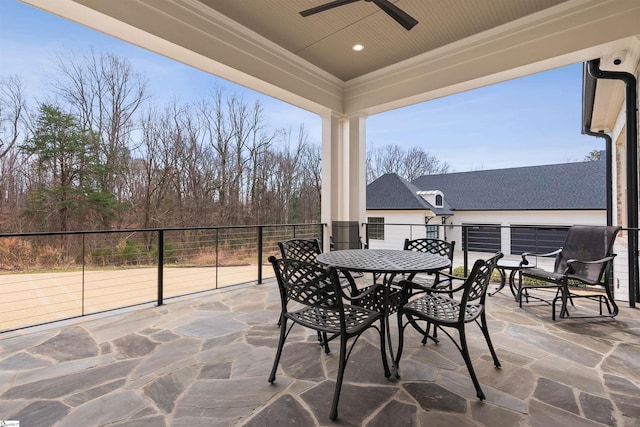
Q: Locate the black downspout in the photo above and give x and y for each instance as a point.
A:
(629, 79)
(588, 99)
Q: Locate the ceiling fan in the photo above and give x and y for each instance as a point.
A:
(403, 18)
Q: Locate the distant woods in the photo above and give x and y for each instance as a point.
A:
(98, 152)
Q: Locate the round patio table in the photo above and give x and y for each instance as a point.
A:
(388, 262)
(385, 261)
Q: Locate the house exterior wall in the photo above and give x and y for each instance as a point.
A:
(400, 225)
(519, 218)
(397, 228)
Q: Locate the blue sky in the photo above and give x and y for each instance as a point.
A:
(528, 121)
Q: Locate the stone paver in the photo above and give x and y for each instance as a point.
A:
(204, 361)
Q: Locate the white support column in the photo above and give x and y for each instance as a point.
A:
(357, 169)
(343, 169)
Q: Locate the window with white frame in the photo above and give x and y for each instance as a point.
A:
(376, 227)
(431, 231)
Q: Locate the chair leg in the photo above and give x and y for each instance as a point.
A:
(485, 332)
(283, 336)
(342, 365)
(383, 351)
(427, 336)
(424, 332)
(564, 292)
(324, 341)
(464, 349)
(519, 293)
(401, 327)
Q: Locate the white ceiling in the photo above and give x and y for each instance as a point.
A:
(325, 39)
(458, 44)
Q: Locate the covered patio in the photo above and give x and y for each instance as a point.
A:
(310, 62)
(204, 361)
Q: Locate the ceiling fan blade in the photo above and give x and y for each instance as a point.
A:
(401, 17)
(326, 6)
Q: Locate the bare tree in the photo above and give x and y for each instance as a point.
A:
(311, 187)
(12, 106)
(409, 164)
(418, 163)
(12, 129)
(150, 179)
(217, 133)
(593, 155)
(289, 173)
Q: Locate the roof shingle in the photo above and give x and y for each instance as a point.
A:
(567, 186)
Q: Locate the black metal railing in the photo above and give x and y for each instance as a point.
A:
(46, 277)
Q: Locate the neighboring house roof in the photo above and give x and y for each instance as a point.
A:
(391, 192)
(567, 186)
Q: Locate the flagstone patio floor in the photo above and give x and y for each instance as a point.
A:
(204, 361)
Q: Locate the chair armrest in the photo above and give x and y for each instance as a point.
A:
(359, 296)
(345, 274)
(451, 276)
(571, 262)
(525, 261)
(408, 283)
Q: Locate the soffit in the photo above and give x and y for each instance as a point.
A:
(610, 94)
(325, 39)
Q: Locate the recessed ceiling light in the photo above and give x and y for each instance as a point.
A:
(357, 47)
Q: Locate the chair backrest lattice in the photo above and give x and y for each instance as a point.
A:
(305, 250)
(431, 246)
(478, 280)
(307, 283)
(586, 243)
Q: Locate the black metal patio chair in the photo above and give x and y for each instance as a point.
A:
(584, 258)
(306, 250)
(452, 308)
(323, 306)
(432, 246)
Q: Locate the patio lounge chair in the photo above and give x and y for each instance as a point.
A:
(584, 259)
(452, 308)
(324, 309)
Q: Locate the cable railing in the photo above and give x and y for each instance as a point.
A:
(475, 241)
(47, 277)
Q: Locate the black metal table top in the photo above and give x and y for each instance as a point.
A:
(384, 261)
